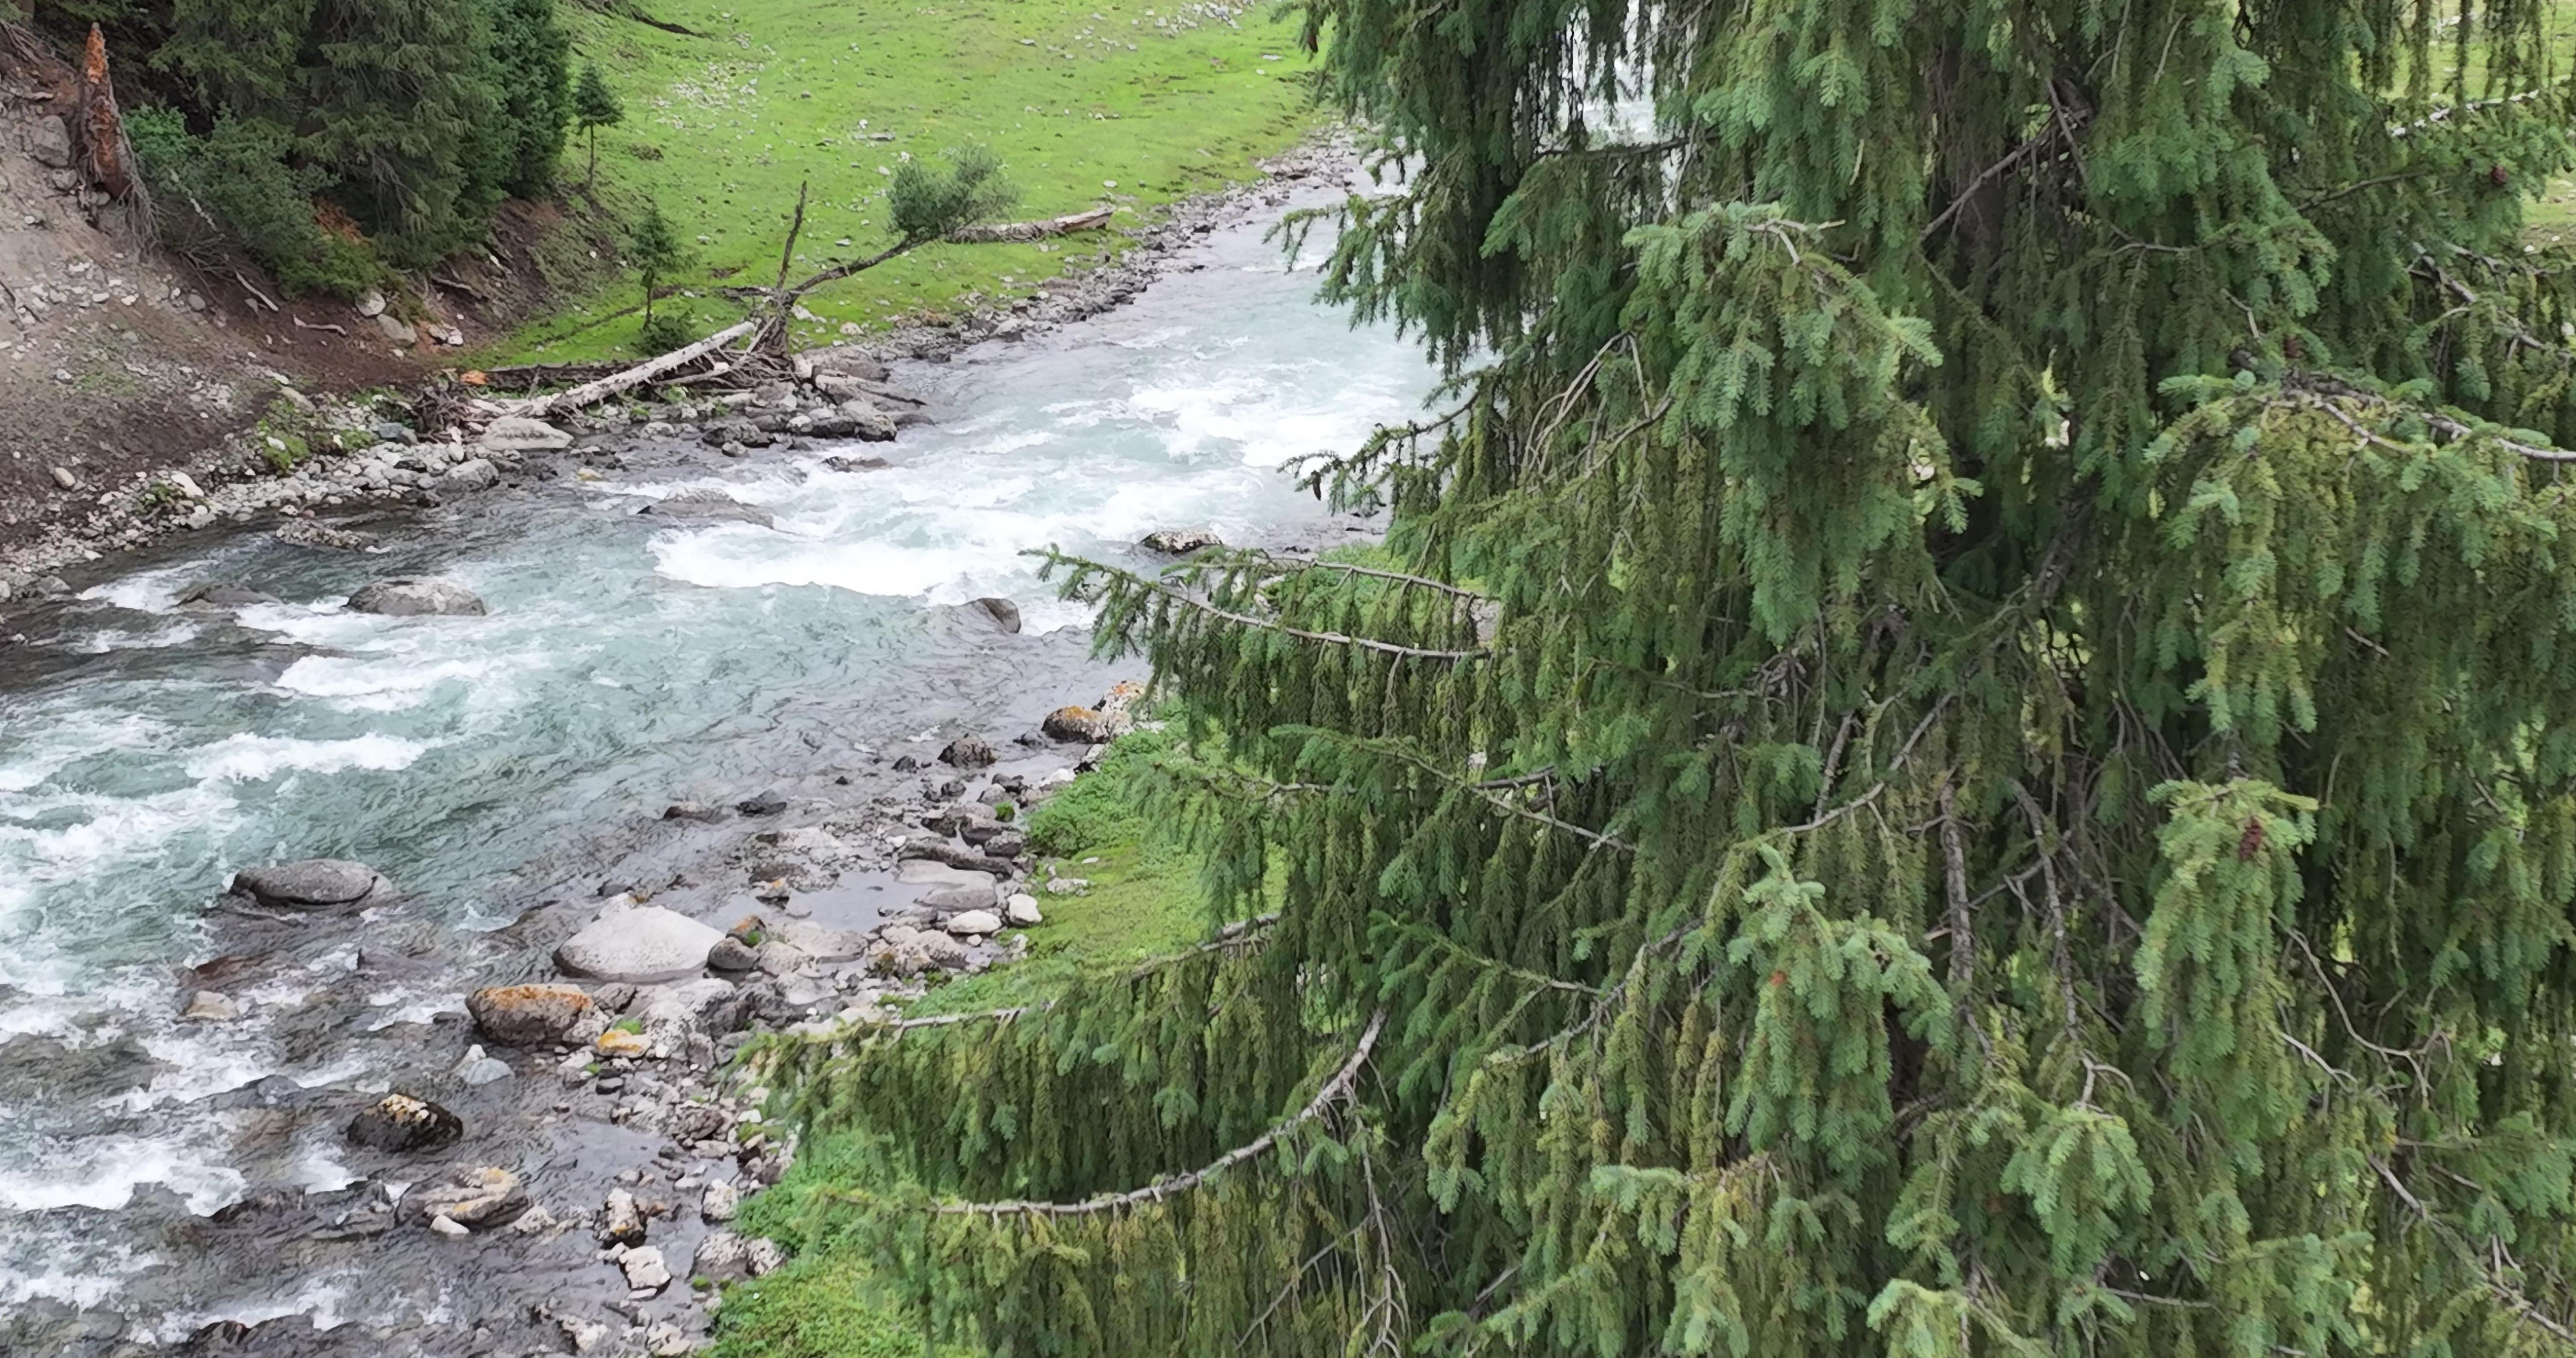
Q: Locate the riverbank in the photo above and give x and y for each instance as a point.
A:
(327, 458)
(182, 1164)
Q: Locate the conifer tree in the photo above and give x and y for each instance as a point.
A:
(654, 251)
(594, 106)
(1964, 744)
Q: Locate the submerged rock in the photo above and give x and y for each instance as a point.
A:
(309, 882)
(856, 464)
(1001, 611)
(761, 804)
(402, 1122)
(219, 594)
(1180, 541)
(621, 1221)
(534, 1015)
(518, 434)
(477, 1197)
(211, 1006)
(641, 943)
(702, 503)
(405, 596)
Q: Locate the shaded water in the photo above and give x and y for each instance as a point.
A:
(485, 764)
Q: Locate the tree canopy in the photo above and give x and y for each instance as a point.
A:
(1960, 744)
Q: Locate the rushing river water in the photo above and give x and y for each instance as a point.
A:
(147, 751)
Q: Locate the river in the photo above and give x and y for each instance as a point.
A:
(486, 765)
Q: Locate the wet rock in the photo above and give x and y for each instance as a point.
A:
(1001, 611)
(644, 1269)
(731, 954)
(841, 360)
(857, 464)
(310, 882)
(953, 856)
(534, 1015)
(742, 432)
(974, 923)
(402, 1123)
(768, 803)
(1007, 844)
(820, 942)
(475, 1197)
(211, 1006)
(720, 1203)
(623, 1042)
(221, 594)
(450, 1227)
(621, 1222)
(585, 1336)
(698, 811)
(906, 763)
(666, 1340)
(1179, 541)
(856, 418)
(638, 943)
(949, 900)
(708, 505)
(518, 434)
(411, 596)
(1022, 909)
(968, 752)
(778, 958)
(478, 1069)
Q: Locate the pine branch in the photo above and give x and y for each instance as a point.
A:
(1334, 1089)
(1193, 602)
(2318, 389)
(1232, 936)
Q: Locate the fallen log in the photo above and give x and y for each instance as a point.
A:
(1001, 232)
(591, 393)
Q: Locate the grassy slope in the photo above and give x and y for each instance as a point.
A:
(1145, 901)
(1076, 95)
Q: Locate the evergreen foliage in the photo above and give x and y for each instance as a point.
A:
(1969, 747)
(413, 118)
(594, 106)
(654, 251)
(927, 201)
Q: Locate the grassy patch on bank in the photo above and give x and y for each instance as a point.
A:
(1133, 103)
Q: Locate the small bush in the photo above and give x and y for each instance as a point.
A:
(234, 188)
(665, 332)
(928, 202)
(1105, 806)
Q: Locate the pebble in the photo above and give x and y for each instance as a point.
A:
(447, 1226)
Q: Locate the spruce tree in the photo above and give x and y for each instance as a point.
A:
(594, 106)
(654, 251)
(1961, 744)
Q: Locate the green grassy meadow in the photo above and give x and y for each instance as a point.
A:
(1086, 101)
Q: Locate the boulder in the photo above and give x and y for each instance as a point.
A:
(309, 883)
(215, 594)
(968, 752)
(644, 1269)
(731, 954)
(1001, 611)
(949, 900)
(409, 596)
(856, 464)
(974, 923)
(941, 852)
(761, 804)
(1022, 909)
(477, 1069)
(1180, 541)
(698, 811)
(640, 944)
(623, 1042)
(721, 1202)
(211, 1006)
(1007, 844)
(621, 1222)
(703, 503)
(743, 432)
(400, 1123)
(855, 418)
(722, 1257)
(49, 140)
(474, 473)
(1080, 724)
(518, 434)
(534, 1015)
(821, 942)
(477, 1197)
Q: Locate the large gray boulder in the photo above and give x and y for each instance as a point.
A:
(699, 502)
(518, 434)
(641, 943)
(49, 140)
(535, 1015)
(1003, 612)
(308, 884)
(405, 596)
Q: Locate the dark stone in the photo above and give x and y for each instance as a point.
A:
(905, 763)
(223, 594)
(968, 752)
(1001, 611)
(692, 811)
(412, 597)
(854, 464)
(1180, 541)
(761, 804)
(699, 503)
(400, 1123)
(477, 1197)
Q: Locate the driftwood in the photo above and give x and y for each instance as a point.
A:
(1027, 231)
(302, 324)
(591, 393)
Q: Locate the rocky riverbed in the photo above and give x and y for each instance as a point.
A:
(388, 868)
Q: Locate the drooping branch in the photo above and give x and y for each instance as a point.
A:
(1203, 606)
(1334, 1090)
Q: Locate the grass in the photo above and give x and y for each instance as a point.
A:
(1133, 103)
(1145, 901)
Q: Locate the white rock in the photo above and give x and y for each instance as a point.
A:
(1067, 886)
(640, 944)
(644, 1269)
(518, 434)
(1022, 909)
(447, 1226)
(208, 1006)
(974, 923)
(373, 304)
(722, 1200)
